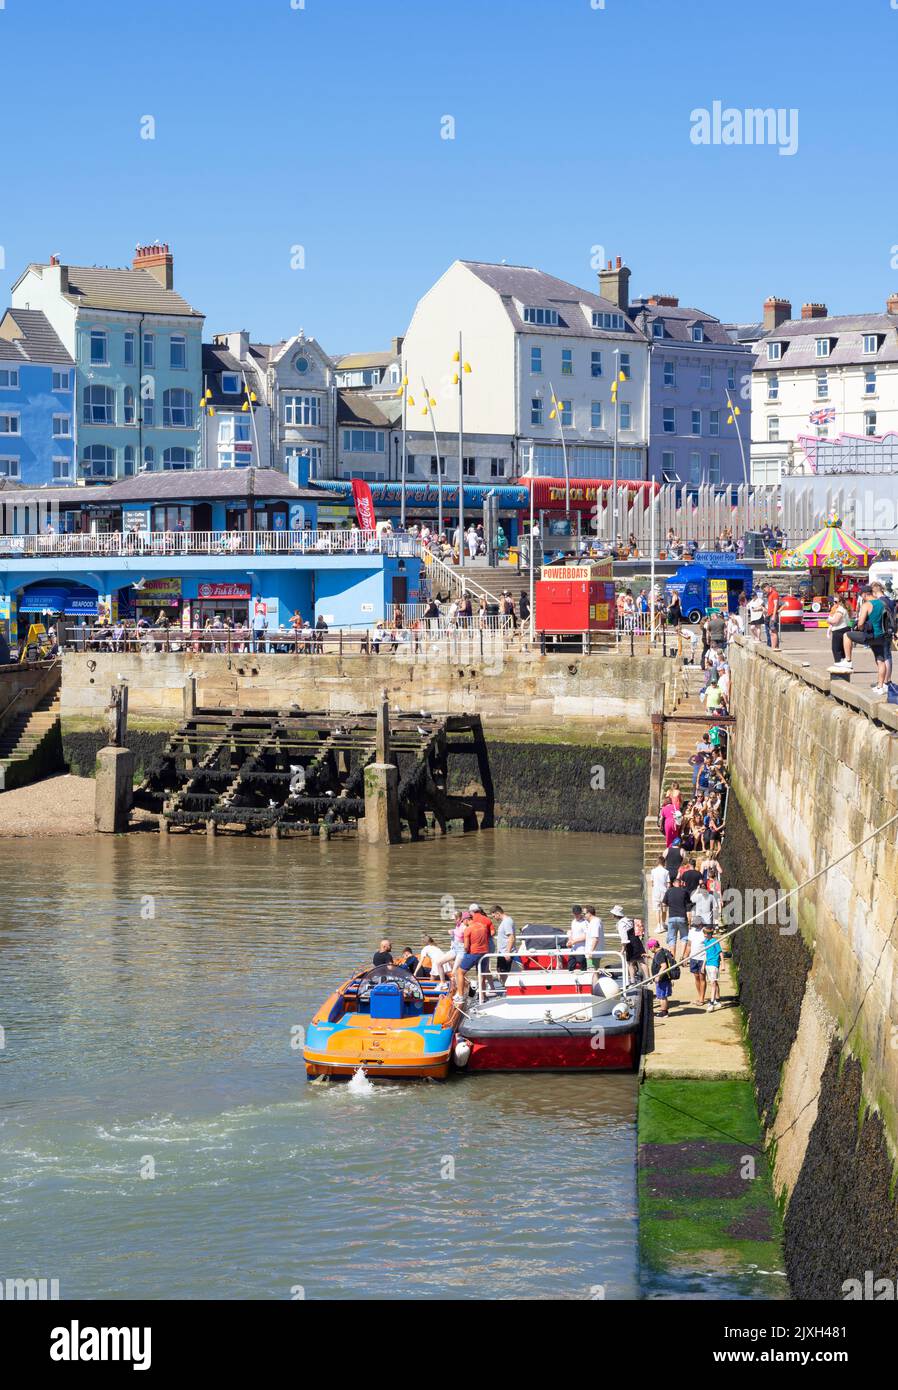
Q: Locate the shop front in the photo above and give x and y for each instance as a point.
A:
(149, 599)
(223, 601)
(47, 602)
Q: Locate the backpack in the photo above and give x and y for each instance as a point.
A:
(888, 622)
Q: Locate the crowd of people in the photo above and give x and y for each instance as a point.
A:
(686, 889)
(476, 934)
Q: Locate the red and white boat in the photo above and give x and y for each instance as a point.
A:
(543, 1017)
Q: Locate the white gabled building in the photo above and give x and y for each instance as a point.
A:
(820, 377)
(524, 334)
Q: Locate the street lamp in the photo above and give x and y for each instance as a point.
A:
(733, 419)
(458, 379)
(557, 412)
(618, 378)
(429, 404)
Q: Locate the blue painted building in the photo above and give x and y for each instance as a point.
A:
(37, 403)
(137, 347)
(222, 542)
(694, 367)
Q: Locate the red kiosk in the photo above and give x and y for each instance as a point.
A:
(575, 599)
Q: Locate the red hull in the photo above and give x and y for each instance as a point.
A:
(547, 1054)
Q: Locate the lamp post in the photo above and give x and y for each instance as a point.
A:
(652, 563)
(558, 412)
(429, 404)
(402, 391)
(458, 379)
(733, 419)
(618, 378)
(532, 546)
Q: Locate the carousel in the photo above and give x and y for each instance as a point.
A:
(834, 562)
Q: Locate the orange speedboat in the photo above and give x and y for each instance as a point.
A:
(386, 1022)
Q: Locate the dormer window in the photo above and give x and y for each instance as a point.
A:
(774, 352)
(230, 383)
(822, 347)
(871, 342)
(698, 333)
(610, 321)
(545, 317)
(658, 328)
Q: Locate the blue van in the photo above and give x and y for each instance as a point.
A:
(693, 583)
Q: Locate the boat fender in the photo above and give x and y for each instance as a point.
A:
(462, 1052)
(608, 988)
(621, 1011)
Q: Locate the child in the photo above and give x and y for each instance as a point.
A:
(713, 952)
(663, 965)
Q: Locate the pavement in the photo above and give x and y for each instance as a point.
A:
(692, 1044)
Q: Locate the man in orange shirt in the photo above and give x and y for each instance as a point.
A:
(477, 940)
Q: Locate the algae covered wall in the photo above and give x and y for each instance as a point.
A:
(818, 986)
(596, 787)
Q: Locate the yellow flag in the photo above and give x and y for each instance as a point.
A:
(551, 414)
(455, 357)
(467, 366)
(411, 400)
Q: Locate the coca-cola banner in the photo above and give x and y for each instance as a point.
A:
(364, 504)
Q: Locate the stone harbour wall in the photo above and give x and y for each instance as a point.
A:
(509, 689)
(813, 776)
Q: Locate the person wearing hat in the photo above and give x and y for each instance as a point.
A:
(662, 963)
(713, 953)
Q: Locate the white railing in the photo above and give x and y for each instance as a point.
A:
(165, 543)
(444, 578)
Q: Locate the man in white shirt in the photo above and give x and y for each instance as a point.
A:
(660, 885)
(576, 939)
(594, 942)
(505, 938)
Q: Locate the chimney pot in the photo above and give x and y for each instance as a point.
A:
(776, 312)
(158, 261)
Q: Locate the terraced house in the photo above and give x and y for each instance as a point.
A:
(37, 404)
(137, 350)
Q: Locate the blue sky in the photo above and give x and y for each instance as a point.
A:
(320, 127)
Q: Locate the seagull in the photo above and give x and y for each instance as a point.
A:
(272, 804)
(422, 731)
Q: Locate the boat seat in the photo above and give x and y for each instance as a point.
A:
(387, 1000)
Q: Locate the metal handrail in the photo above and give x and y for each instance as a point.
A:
(128, 544)
(617, 956)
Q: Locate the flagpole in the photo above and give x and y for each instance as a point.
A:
(532, 547)
(433, 425)
(652, 579)
(404, 454)
(461, 464)
(735, 414)
(614, 457)
(556, 403)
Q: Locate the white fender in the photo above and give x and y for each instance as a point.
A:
(462, 1052)
(608, 988)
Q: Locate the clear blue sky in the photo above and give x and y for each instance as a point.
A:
(320, 127)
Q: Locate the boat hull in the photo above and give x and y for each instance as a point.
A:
(552, 1053)
(434, 1069)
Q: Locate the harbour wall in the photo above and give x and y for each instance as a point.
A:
(569, 736)
(508, 687)
(813, 775)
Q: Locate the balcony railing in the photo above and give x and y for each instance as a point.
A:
(173, 543)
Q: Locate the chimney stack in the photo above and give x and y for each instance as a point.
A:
(61, 273)
(664, 301)
(776, 312)
(397, 346)
(614, 284)
(813, 311)
(892, 304)
(158, 260)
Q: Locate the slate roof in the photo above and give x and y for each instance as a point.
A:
(26, 335)
(679, 322)
(846, 332)
(217, 360)
(354, 407)
(210, 483)
(529, 286)
(363, 359)
(108, 287)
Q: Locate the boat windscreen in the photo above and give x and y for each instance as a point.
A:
(395, 974)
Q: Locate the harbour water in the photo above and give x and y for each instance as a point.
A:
(158, 1138)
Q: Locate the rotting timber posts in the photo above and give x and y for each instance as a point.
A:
(300, 772)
